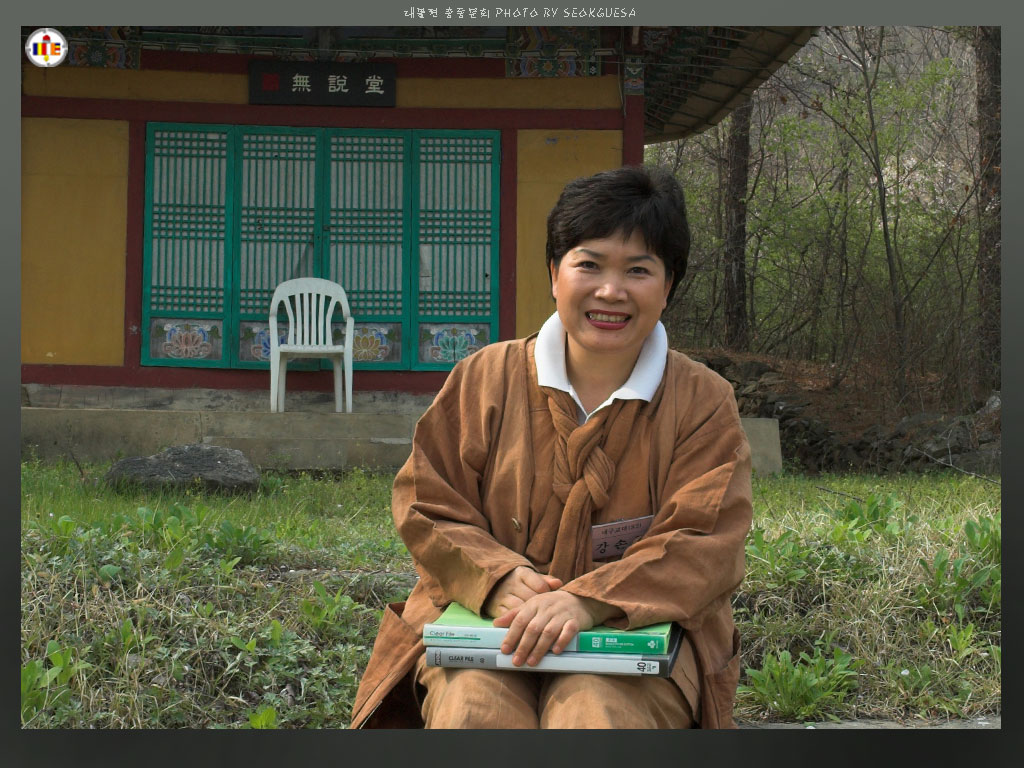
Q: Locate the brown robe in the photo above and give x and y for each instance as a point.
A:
(476, 499)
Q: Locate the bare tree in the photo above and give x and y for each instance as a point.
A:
(737, 334)
(987, 41)
(865, 50)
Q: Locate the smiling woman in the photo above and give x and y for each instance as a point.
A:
(535, 445)
(609, 294)
(617, 247)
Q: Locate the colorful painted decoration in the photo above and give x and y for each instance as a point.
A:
(370, 345)
(189, 341)
(450, 343)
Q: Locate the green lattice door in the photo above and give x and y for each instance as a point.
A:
(368, 249)
(406, 221)
(278, 230)
(186, 283)
(456, 236)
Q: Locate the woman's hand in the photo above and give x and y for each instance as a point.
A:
(549, 621)
(516, 588)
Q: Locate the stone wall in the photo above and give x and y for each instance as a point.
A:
(918, 442)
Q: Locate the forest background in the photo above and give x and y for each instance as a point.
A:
(848, 215)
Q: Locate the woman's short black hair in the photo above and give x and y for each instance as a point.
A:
(625, 200)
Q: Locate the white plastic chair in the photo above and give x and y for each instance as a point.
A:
(310, 303)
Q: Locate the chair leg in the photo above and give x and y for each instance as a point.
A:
(274, 365)
(337, 384)
(281, 371)
(348, 383)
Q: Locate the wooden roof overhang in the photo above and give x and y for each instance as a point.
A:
(692, 76)
(695, 76)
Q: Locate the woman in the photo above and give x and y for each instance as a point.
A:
(530, 447)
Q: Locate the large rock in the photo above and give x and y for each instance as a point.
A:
(717, 363)
(993, 405)
(913, 426)
(212, 467)
(751, 370)
(948, 438)
(987, 460)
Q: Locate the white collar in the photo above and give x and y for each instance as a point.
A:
(642, 383)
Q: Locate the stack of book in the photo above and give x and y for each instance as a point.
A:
(460, 638)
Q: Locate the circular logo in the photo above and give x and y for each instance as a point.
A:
(46, 47)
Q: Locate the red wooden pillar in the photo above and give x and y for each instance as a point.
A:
(633, 131)
(632, 73)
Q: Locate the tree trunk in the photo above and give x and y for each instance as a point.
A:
(892, 258)
(738, 154)
(987, 43)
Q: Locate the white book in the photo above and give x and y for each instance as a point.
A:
(594, 663)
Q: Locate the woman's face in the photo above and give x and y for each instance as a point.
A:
(609, 293)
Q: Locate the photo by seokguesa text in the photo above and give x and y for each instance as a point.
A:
(522, 12)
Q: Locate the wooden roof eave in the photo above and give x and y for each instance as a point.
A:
(732, 85)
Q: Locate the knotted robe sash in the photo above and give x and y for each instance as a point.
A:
(585, 458)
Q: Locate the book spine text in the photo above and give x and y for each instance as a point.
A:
(603, 664)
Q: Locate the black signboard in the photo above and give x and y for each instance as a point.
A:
(322, 84)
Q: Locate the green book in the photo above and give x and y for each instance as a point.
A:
(459, 627)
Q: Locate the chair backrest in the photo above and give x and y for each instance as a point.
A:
(309, 303)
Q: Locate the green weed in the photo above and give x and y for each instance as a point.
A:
(802, 689)
(326, 614)
(961, 641)
(244, 542)
(958, 585)
(985, 540)
(782, 559)
(266, 717)
(49, 688)
(877, 513)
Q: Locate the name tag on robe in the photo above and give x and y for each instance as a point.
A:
(610, 540)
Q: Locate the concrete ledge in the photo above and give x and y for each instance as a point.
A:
(104, 434)
(299, 440)
(319, 453)
(219, 400)
(765, 444)
(325, 426)
(290, 440)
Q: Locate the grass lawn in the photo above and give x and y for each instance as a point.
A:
(866, 596)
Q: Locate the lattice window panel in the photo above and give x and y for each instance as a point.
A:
(188, 221)
(456, 225)
(367, 222)
(277, 216)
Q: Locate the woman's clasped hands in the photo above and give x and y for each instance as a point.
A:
(540, 616)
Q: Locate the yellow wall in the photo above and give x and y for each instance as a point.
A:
(74, 183)
(547, 161)
(482, 93)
